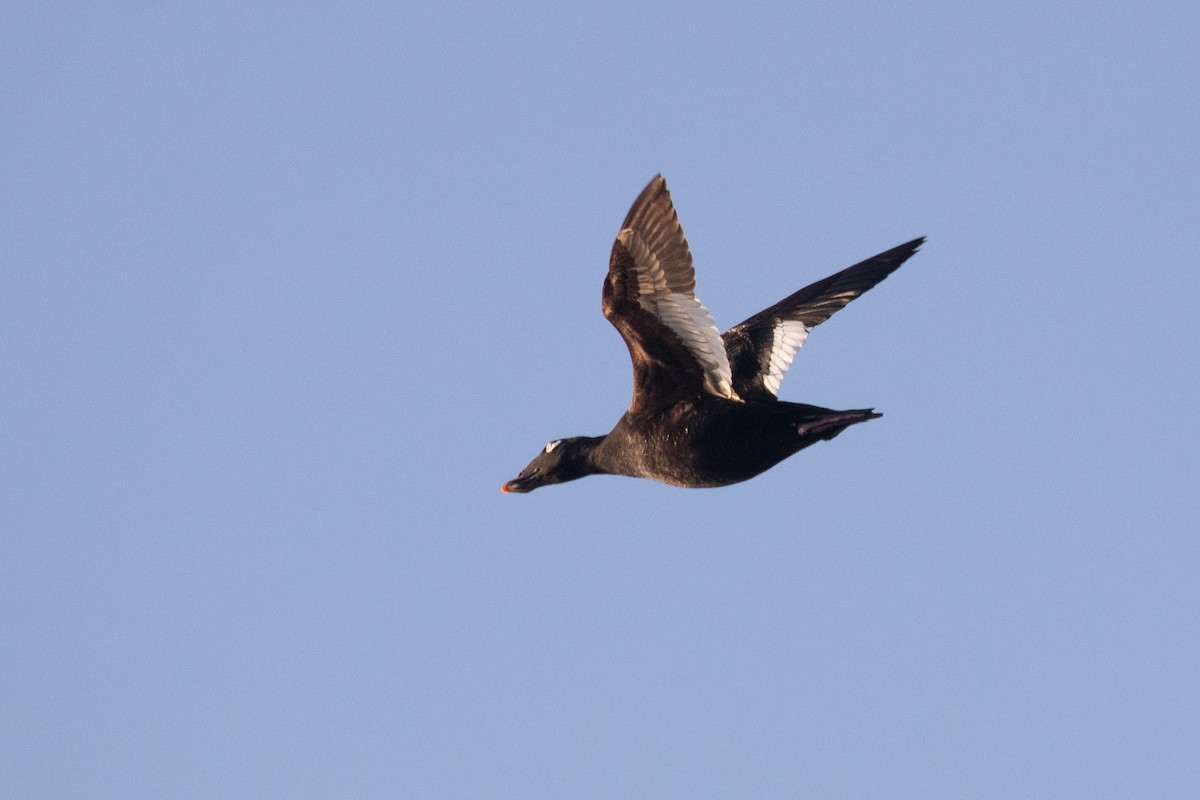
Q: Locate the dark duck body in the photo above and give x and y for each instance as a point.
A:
(704, 411)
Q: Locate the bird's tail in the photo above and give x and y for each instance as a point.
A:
(832, 423)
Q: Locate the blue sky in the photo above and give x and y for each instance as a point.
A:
(286, 292)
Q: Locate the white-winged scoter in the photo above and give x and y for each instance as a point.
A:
(704, 410)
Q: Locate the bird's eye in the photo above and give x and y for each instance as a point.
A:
(550, 447)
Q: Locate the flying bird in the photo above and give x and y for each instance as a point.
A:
(704, 410)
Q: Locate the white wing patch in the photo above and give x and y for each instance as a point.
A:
(682, 313)
(789, 334)
(550, 447)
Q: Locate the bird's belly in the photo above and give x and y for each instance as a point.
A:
(709, 452)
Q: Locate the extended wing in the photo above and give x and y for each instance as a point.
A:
(649, 297)
(761, 349)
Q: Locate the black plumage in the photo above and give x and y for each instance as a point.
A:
(704, 410)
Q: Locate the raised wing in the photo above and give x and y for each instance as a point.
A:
(649, 297)
(761, 349)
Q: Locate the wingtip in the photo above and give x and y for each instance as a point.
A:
(656, 184)
(900, 253)
(653, 200)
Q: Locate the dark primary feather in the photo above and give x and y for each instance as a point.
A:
(653, 216)
(749, 344)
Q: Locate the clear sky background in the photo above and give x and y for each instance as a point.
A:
(287, 291)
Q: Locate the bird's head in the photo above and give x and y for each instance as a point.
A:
(560, 461)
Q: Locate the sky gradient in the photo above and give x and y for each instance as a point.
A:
(287, 292)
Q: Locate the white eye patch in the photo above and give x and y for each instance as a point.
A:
(550, 447)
